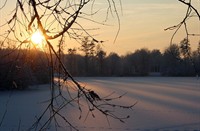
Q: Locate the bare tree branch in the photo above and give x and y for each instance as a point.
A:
(55, 19)
(191, 12)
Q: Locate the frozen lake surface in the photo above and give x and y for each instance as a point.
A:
(164, 103)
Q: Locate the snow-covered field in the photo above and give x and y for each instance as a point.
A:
(164, 103)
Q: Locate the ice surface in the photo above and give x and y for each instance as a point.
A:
(164, 103)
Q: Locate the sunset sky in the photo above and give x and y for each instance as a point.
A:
(142, 24)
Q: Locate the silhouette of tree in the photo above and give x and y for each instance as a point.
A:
(155, 60)
(88, 46)
(71, 61)
(185, 49)
(100, 56)
(171, 61)
(113, 64)
(141, 61)
(196, 58)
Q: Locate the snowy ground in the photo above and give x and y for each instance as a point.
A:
(166, 104)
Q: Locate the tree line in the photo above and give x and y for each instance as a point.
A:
(175, 60)
(22, 67)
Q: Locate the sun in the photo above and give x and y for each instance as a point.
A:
(37, 38)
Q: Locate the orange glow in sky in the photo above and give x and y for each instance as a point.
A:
(142, 24)
(37, 37)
